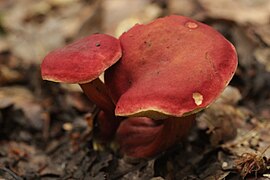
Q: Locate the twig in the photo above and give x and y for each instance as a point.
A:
(14, 175)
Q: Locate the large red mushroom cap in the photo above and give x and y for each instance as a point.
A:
(81, 61)
(173, 66)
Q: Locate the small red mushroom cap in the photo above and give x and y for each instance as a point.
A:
(81, 61)
(173, 66)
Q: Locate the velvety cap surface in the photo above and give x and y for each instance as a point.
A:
(81, 61)
(173, 66)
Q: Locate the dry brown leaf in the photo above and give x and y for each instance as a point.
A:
(115, 11)
(3, 44)
(23, 99)
(28, 158)
(35, 28)
(222, 117)
(8, 75)
(264, 33)
(62, 2)
(242, 11)
(79, 101)
(263, 56)
(253, 141)
(118, 18)
(245, 46)
(183, 7)
(32, 42)
(219, 119)
(230, 95)
(249, 151)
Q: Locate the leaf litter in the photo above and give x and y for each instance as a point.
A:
(46, 130)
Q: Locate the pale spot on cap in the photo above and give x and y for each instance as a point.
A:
(198, 98)
(191, 25)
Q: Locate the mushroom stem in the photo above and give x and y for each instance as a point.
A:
(142, 137)
(107, 125)
(97, 93)
(107, 122)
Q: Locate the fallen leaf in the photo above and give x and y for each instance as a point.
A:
(264, 33)
(263, 56)
(183, 7)
(23, 99)
(230, 95)
(34, 34)
(116, 14)
(221, 117)
(8, 75)
(243, 12)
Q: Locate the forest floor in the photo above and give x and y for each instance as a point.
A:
(46, 129)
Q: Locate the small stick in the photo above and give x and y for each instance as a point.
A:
(14, 175)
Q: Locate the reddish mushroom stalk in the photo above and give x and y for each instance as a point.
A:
(107, 122)
(142, 137)
(96, 91)
(82, 62)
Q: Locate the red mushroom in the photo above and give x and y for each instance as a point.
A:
(143, 137)
(83, 62)
(171, 67)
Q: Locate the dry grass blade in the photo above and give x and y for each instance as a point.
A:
(249, 163)
(11, 173)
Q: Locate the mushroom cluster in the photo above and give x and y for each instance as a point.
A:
(157, 76)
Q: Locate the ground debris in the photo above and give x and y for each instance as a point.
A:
(221, 119)
(46, 129)
(249, 163)
(242, 12)
(250, 151)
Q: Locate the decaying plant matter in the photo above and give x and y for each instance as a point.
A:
(252, 163)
